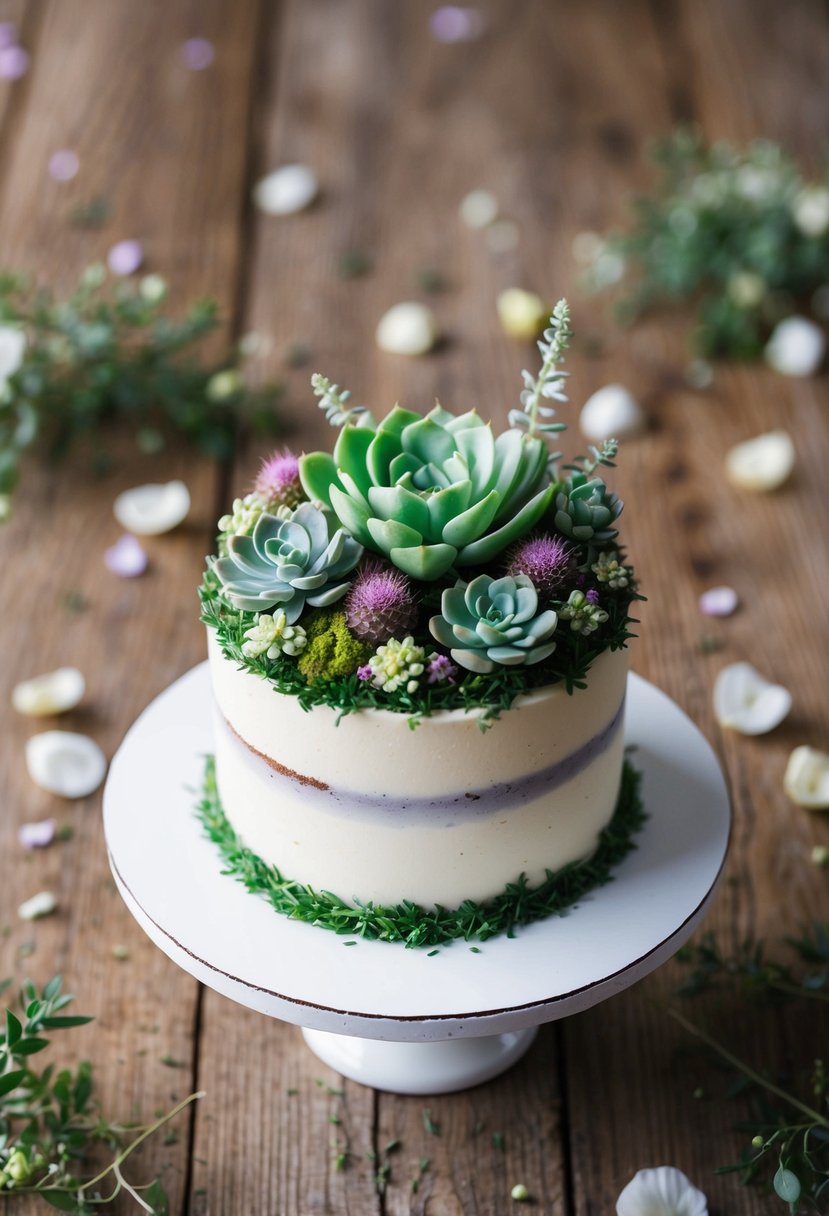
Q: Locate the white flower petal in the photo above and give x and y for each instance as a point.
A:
(718, 601)
(407, 329)
(12, 350)
(52, 693)
(806, 780)
(663, 1191)
(612, 413)
(42, 904)
(152, 509)
(287, 190)
(745, 701)
(763, 463)
(65, 763)
(796, 347)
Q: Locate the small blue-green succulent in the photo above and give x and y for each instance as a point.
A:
(301, 558)
(493, 621)
(585, 509)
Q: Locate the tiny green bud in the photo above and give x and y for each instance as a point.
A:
(757, 1142)
(520, 1193)
(17, 1166)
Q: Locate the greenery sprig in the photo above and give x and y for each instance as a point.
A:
(519, 904)
(788, 1130)
(333, 401)
(549, 383)
(738, 233)
(49, 1121)
(110, 352)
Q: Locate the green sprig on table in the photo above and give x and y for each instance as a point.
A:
(49, 1121)
(111, 352)
(740, 234)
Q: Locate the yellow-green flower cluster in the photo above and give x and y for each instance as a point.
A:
(272, 635)
(608, 569)
(584, 615)
(397, 665)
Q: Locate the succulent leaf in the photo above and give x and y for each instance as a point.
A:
(480, 624)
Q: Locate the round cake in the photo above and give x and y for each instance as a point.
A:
(418, 654)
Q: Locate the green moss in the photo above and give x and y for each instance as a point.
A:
(332, 651)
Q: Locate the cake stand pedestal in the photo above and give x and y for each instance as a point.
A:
(397, 1019)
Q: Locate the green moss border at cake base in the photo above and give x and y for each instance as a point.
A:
(517, 905)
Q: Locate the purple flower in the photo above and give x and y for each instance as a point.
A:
(8, 35)
(37, 835)
(456, 23)
(546, 560)
(126, 557)
(278, 479)
(63, 165)
(365, 672)
(380, 604)
(14, 62)
(441, 670)
(125, 257)
(592, 596)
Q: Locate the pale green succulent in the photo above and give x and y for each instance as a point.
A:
(585, 509)
(494, 621)
(431, 492)
(301, 559)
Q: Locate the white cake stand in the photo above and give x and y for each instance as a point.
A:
(393, 1018)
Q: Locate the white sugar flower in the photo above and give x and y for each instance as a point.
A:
(745, 701)
(273, 634)
(663, 1191)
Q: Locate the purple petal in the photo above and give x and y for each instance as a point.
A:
(14, 62)
(8, 35)
(718, 601)
(126, 558)
(37, 835)
(198, 54)
(125, 257)
(63, 165)
(456, 23)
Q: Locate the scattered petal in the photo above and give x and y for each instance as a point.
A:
(198, 54)
(65, 763)
(287, 190)
(63, 165)
(718, 601)
(125, 257)
(522, 314)
(56, 692)
(806, 780)
(796, 347)
(612, 413)
(456, 23)
(763, 463)
(502, 236)
(745, 701)
(126, 557)
(407, 329)
(12, 350)
(478, 208)
(663, 1191)
(14, 62)
(37, 835)
(42, 904)
(152, 509)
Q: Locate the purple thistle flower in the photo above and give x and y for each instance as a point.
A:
(278, 479)
(364, 672)
(592, 596)
(441, 670)
(380, 604)
(547, 560)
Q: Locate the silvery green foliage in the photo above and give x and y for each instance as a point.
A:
(549, 383)
(290, 562)
(586, 510)
(491, 622)
(334, 401)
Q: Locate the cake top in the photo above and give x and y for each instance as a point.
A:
(426, 563)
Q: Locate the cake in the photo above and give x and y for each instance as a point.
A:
(418, 661)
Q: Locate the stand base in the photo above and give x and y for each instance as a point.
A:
(420, 1068)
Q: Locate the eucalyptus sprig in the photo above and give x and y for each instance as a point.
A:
(49, 1121)
(737, 233)
(333, 401)
(788, 1128)
(111, 351)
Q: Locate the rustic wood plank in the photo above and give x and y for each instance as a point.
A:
(167, 147)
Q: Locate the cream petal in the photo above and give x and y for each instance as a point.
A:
(152, 509)
(612, 413)
(287, 190)
(37, 835)
(745, 701)
(52, 693)
(763, 463)
(806, 780)
(65, 763)
(663, 1191)
(42, 904)
(407, 328)
(718, 601)
(796, 347)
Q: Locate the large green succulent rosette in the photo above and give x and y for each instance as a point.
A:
(494, 621)
(431, 493)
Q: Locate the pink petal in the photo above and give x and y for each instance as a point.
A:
(198, 54)
(14, 62)
(456, 23)
(63, 165)
(125, 257)
(126, 557)
(37, 835)
(718, 601)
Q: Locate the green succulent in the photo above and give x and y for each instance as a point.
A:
(431, 492)
(300, 558)
(494, 621)
(585, 509)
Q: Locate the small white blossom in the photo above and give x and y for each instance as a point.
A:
(153, 288)
(607, 569)
(663, 1191)
(397, 664)
(584, 617)
(244, 515)
(223, 385)
(272, 635)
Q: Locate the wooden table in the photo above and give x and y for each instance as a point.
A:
(552, 110)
